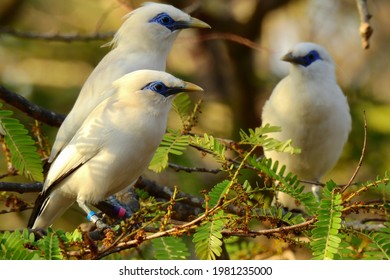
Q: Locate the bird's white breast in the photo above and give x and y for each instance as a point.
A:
(315, 115)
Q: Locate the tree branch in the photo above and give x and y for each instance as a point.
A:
(36, 112)
(21, 187)
(178, 168)
(361, 156)
(67, 38)
(365, 29)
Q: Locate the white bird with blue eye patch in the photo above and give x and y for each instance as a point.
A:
(142, 42)
(112, 147)
(311, 109)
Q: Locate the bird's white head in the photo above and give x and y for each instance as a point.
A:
(154, 25)
(153, 89)
(309, 59)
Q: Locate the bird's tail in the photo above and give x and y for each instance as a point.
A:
(47, 208)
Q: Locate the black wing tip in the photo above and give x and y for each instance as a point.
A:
(38, 206)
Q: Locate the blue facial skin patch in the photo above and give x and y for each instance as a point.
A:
(160, 88)
(308, 59)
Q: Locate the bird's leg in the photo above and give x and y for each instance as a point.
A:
(121, 205)
(91, 215)
(112, 209)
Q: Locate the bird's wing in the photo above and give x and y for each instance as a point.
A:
(85, 144)
(96, 88)
(69, 160)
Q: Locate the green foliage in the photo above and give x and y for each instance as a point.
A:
(170, 248)
(210, 144)
(287, 183)
(182, 105)
(259, 137)
(235, 207)
(217, 192)
(12, 246)
(325, 235)
(278, 214)
(208, 238)
(24, 156)
(173, 143)
(379, 246)
(50, 245)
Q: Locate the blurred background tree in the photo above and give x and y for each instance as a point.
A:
(237, 62)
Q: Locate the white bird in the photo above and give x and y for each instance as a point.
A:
(311, 109)
(142, 42)
(112, 147)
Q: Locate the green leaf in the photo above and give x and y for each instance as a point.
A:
(12, 246)
(173, 143)
(288, 183)
(325, 235)
(208, 238)
(209, 143)
(24, 156)
(170, 248)
(50, 245)
(217, 192)
(182, 105)
(259, 137)
(379, 247)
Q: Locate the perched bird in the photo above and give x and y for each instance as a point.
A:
(311, 109)
(112, 147)
(142, 42)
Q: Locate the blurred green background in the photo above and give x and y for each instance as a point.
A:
(237, 79)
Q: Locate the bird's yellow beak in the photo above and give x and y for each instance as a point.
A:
(288, 57)
(197, 23)
(190, 87)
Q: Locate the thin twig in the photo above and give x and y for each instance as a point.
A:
(365, 29)
(68, 38)
(279, 230)
(177, 167)
(361, 156)
(36, 112)
(233, 38)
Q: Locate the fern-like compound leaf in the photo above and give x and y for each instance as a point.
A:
(173, 143)
(24, 156)
(208, 238)
(170, 248)
(325, 235)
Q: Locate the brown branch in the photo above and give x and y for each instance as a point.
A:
(279, 230)
(68, 38)
(187, 226)
(365, 29)
(41, 114)
(178, 168)
(234, 38)
(21, 187)
(361, 156)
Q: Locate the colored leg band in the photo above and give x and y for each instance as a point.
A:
(90, 215)
(121, 212)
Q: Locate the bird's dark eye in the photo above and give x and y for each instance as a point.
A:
(310, 58)
(157, 86)
(165, 20)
